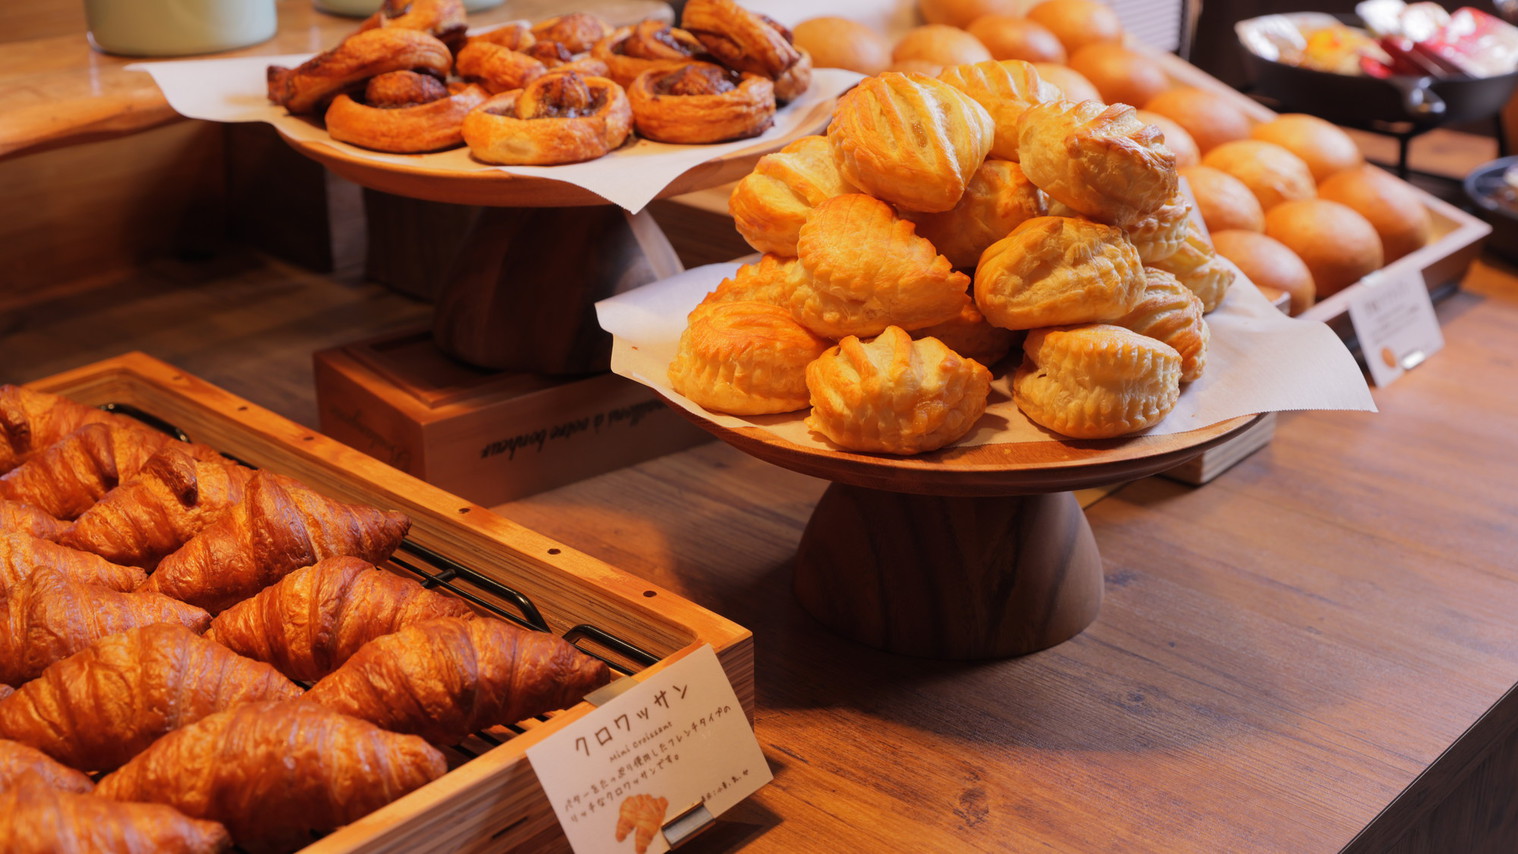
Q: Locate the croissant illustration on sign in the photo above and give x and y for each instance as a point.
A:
(642, 816)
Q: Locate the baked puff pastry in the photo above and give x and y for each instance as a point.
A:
(1100, 160)
(740, 39)
(1006, 88)
(1162, 233)
(311, 86)
(557, 118)
(577, 31)
(700, 102)
(866, 269)
(1171, 313)
(744, 358)
(1096, 381)
(910, 139)
(997, 200)
(771, 279)
(796, 79)
(496, 67)
(1197, 265)
(895, 395)
(404, 112)
(1054, 271)
(651, 44)
(970, 335)
(442, 19)
(770, 204)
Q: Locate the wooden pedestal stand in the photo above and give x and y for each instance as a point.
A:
(967, 553)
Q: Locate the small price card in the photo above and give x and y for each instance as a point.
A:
(673, 746)
(1395, 324)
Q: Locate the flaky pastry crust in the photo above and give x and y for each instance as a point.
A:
(970, 335)
(557, 118)
(739, 38)
(744, 358)
(310, 86)
(1100, 160)
(577, 31)
(1171, 313)
(1197, 265)
(496, 67)
(701, 103)
(442, 19)
(1053, 271)
(651, 44)
(430, 125)
(997, 200)
(772, 279)
(1006, 88)
(1161, 233)
(770, 204)
(1096, 381)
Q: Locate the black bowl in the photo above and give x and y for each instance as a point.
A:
(1497, 204)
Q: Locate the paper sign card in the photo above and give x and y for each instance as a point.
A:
(674, 743)
(1395, 324)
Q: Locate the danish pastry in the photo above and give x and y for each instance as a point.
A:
(1006, 89)
(739, 38)
(496, 67)
(794, 82)
(910, 139)
(895, 395)
(557, 118)
(771, 279)
(1100, 160)
(1197, 266)
(744, 358)
(998, 199)
(651, 44)
(577, 31)
(1053, 271)
(1096, 381)
(310, 86)
(516, 35)
(1171, 313)
(404, 112)
(441, 19)
(770, 204)
(866, 269)
(701, 102)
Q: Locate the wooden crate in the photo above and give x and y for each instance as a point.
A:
(494, 802)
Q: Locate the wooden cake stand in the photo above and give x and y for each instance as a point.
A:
(964, 553)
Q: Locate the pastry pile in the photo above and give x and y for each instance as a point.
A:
(563, 90)
(940, 222)
(195, 654)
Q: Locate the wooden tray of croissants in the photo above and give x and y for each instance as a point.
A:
(209, 640)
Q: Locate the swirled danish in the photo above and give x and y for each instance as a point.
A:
(404, 112)
(770, 204)
(744, 358)
(1054, 270)
(577, 31)
(739, 38)
(516, 35)
(1096, 381)
(557, 118)
(1102, 161)
(1171, 313)
(497, 68)
(441, 19)
(998, 199)
(310, 86)
(1197, 265)
(701, 102)
(1006, 89)
(651, 44)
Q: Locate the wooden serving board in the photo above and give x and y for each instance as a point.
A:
(493, 802)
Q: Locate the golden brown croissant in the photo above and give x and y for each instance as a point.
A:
(106, 703)
(445, 678)
(317, 617)
(22, 555)
(309, 87)
(47, 617)
(272, 771)
(39, 819)
(22, 518)
(30, 421)
(279, 527)
(64, 480)
(18, 760)
(175, 495)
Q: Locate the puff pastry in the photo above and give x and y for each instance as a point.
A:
(442, 19)
(557, 118)
(895, 395)
(496, 67)
(577, 31)
(1053, 271)
(970, 335)
(1006, 88)
(513, 34)
(795, 81)
(700, 102)
(1161, 233)
(866, 269)
(651, 44)
(770, 204)
(739, 38)
(310, 86)
(744, 358)
(1171, 313)
(1100, 160)
(997, 200)
(1197, 265)
(771, 279)
(425, 116)
(910, 139)
(1096, 381)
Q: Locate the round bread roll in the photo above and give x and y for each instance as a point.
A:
(1321, 144)
(1077, 23)
(1211, 118)
(939, 43)
(843, 43)
(1177, 139)
(1225, 202)
(1392, 207)
(1072, 83)
(1269, 263)
(1016, 37)
(1338, 245)
(1120, 74)
(1272, 173)
(961, 13)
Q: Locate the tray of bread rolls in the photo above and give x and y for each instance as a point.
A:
(224, 631)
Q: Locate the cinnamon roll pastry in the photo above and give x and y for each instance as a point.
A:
(310, 86)
(701, 102)
(1170, 312)
(516, 35)
(497, 68)
(770, 204)
(1006, 89)
(739, 38)
(771, 279)
(1197, 265)
(651, 44)
(744, 358)
(1096, 381)
(577, 31)
(1100, 160)
(405, 113)
(910, 139)
(442, 19)
(557, 118)
(970, 335)
(998, 199)
(866, 269)
(1053, 271)
(895, 395)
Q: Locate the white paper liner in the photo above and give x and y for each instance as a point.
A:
(234, 89)
(1258, 360)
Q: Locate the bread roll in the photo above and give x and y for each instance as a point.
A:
(1269, 263)
(961, 13)
(1338, 245)
(1323, 146)
(1077, 23)
(1392, 207)
(843, 43)
(1122, 75)
(939, 43)
(1211, 118)
(1224, 201)
(1016, 37)
(1272, 173)
(1071, 83)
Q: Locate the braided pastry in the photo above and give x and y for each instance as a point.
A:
(404, 112)
(557, 118)
(310, 86)
(701, 102)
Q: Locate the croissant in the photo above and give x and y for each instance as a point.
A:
(39, 819)
(21, 555)
(642, 816)
(47, 617)
(317, 617)
(18, 517)
(443, 679)
(279, 527)
(30, 421)
(64, 480)
(104, 704)
(273, 771)
(18, 760)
